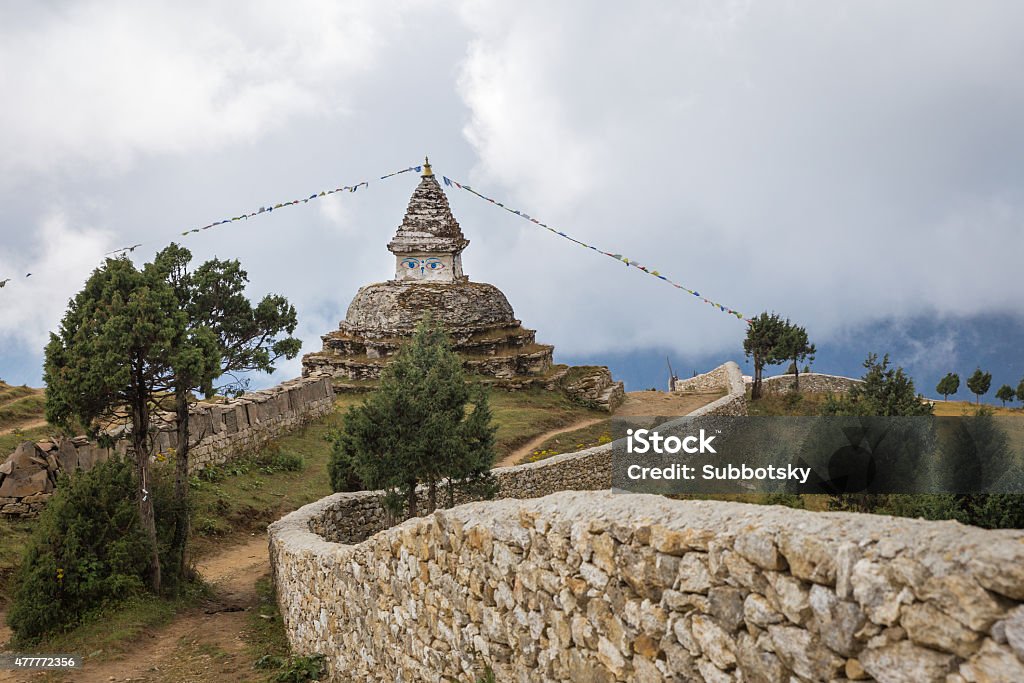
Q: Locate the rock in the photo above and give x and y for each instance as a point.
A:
(726, 604)
(760, 549)
(792, 595)
(759, 612)
(838, 620)
(963, 599)
(756, 665)
(20, 484)
(709, 673)
(928, 626)
(714, 642)
(67, 456)
(7, 465)
(1013, 630)
(904, 662)
(804, 654)
(993, 663)
(693, 573)
(877, 595)
(611, 657)
(854, 671)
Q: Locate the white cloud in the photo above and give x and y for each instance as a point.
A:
(837, 163)
(60, 259)
(94, 84)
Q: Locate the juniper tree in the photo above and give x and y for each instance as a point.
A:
(1005, 393)
(111, 360)
(764, 333)
(979, 383)
(948, 385)
(793, 345)
(419, 426)
(226, 335)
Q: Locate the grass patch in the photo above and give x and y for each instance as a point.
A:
(523, 415)
(15, 533)
(576, 440)
(964, 408)
(26, 409)
(789, 404)
(268, 644)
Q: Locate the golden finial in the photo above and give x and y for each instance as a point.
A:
(426, 168)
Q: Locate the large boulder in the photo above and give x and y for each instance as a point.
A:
(28, 473)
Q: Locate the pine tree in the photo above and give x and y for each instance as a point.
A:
(1005, 393)
(979, 383)
(225, 334)
(1020, 391)
(416, 428)
(948, 385)
(794, 346)
(112, 360)
(764, 333)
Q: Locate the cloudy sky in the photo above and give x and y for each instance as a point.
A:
(856, 166)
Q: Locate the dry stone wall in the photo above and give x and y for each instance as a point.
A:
(810, 383)
(218, 432)
(727, 375)
(598, 586)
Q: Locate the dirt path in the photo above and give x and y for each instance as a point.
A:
(524, 450)
(202, 644)
(637, 403)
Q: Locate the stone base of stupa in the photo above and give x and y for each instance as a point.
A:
(492, 343)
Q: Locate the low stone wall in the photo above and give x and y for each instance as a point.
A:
(613, 587)
(810, 383)
(726, 375)
(218, 433)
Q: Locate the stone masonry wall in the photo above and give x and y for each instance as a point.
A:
(608, 587)
(727, 375)
(353, 517)
(218, 433)
(810, 383)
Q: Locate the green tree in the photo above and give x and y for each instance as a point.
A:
(1005, 393)
(417, 428)
(979, 384)
(111, 361)
(226, 335)
(764, 334)
(794, 346)
(948, 385)
(1020, 391)
(87, 550)
(884, 391)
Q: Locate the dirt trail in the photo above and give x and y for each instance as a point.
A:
(531, 445)
(637, 403)
(202, 644)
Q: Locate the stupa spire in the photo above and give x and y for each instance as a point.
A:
(429, 242)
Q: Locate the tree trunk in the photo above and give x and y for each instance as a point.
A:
(796, 376)
(755, 391)
(411, 496)
(432, 495)
(180, 541)
(147, 516)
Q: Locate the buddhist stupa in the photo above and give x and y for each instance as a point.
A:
(428, 278)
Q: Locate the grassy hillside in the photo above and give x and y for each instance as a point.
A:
(22, 417)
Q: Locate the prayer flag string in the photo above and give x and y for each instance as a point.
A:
(449, 182)
(266, 209)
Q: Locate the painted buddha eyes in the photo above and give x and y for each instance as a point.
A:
(424, 265)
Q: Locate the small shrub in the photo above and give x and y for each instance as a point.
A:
(294, 669)
(277, 460)
(86, 552)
